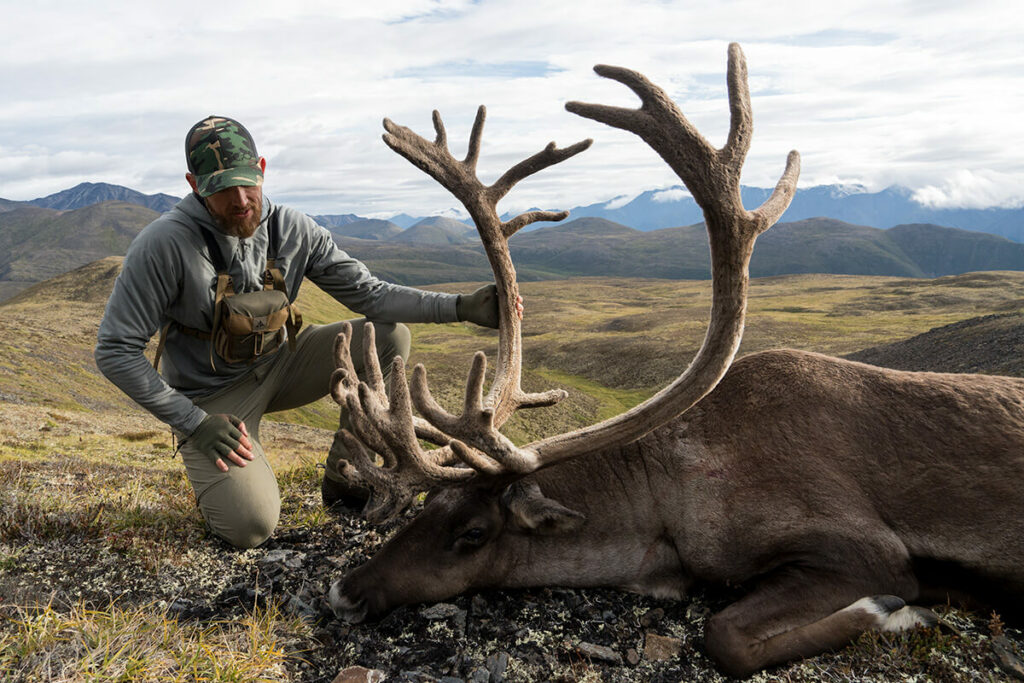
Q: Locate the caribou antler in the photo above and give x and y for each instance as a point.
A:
(712, 176)
(386, 424)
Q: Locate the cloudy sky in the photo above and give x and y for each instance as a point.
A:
(927, 93)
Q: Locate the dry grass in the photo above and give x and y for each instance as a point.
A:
(144, 643)
(99, 534)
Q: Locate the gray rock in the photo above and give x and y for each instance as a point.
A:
(497, 664)
(358, 674)
(599, 652)
(441, 610)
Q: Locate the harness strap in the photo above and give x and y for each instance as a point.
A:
(223, 288)
(273, 278)
(294, 321)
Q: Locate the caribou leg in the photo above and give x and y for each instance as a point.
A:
(800, 612)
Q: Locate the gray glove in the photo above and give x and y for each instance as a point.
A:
(480, 307)
(217, 435)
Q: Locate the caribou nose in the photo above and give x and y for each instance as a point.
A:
(352, 611)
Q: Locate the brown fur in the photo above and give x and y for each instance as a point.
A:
(811, 480)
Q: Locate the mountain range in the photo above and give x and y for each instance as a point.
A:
(890, 207)
(37, 243)
(651, 210)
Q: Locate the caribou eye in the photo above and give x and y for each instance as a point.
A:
(471, 538)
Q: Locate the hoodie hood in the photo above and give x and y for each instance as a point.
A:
(246, 259)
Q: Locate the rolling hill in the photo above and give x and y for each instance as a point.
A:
(38, 243)
(991, 344)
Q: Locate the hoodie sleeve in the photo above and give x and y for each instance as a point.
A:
(147, 285)
(349, 281)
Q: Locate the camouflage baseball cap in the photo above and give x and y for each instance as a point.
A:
(220, 154)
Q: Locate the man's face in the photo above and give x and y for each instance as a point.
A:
(237, 210)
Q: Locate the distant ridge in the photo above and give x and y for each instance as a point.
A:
(992, 344)
(37, 243)
(673, 206)
(595, 246)
(336, 220)
(366, 229)
(438, 230)
(86, 194)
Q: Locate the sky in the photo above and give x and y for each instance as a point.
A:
(924, 94)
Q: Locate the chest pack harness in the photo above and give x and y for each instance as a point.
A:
(247, 325)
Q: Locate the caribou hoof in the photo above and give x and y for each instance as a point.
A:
(894, 614)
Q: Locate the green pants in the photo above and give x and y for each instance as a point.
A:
(242, 505)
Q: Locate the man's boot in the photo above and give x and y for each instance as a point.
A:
(341, 485)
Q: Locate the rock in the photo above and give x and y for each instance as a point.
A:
(496, 666)
(632, 656)
(479, 675)
(289, 559)
(358, 674)
(599, 652)
(180, 605)
(652, 617)
(478, 605)
(660, 648)
(441, 610)
(1007, 659)
(296, 606)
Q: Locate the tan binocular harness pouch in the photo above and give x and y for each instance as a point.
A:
(249, 325)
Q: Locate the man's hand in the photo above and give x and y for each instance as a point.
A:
(223, 436)
(481, 307)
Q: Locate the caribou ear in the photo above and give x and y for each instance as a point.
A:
(531, 511)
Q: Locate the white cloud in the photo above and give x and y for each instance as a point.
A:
(974, 189)
(871, 92)
(674, 194)
(619, 202)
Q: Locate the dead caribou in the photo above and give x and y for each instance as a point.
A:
(835, 492)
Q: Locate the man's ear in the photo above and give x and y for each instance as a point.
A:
(531, 511)
(191, 181)
(263, 164)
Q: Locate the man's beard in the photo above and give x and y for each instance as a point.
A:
(239, 227)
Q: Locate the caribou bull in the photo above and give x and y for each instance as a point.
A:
(834, 492)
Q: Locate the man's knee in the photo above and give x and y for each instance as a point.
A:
(393, 339)
(242, 512)
(247, 532)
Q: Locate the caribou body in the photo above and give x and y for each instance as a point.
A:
(834, 492)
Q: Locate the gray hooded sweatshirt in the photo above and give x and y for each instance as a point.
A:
(168, 276)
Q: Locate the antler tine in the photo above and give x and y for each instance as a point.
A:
(476, 426)
(343, 348)
(442, 137)
(741, 121)
(773, 207)
(549, 156)
(647, 121)
(475, 136)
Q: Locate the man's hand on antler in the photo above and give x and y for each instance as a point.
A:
(481, 307)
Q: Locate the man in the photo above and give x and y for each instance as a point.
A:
(181, 273)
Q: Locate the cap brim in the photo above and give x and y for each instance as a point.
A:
(243, 176)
